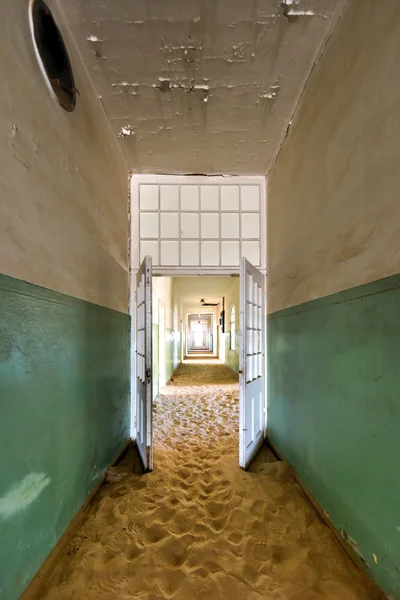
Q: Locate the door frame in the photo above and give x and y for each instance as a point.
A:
(184, 334)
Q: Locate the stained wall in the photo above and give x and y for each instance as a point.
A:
(333, 254)
(64, 327)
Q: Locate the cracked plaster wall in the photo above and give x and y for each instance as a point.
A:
(63, 183)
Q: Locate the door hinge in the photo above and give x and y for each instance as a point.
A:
(148, 375)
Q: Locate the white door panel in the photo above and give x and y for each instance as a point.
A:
(252, 363)
(144, 387)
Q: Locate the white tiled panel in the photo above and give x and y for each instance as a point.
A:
(169, 254)
(190, 254)
(148, 196)
(251, 250)
(150, 248)
(250, 197)
(190, 225)
(209, 197)
(199, 222)
(189, 197)
(209, 254)
(149, 225)
(169, 197)
(230, 197)
(230, 225)
(169, 224)
(250, 225)
(209, 225)
(230, 254)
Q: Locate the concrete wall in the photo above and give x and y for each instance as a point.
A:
(64, 354)
(334, 224)
(333, 210)
(63, 186)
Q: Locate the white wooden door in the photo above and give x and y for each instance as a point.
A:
(252, 363)
(144, 386)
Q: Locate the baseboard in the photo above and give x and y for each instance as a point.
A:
(322, 515)
(32, 591)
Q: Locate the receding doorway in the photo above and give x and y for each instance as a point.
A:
(200, 337)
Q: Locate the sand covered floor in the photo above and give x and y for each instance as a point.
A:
(198, 527)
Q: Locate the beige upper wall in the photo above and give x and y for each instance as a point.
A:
(63, 182)
(334, 211)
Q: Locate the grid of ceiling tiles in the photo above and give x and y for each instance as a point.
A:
(191, 225)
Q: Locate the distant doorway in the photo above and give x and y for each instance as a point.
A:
(199, 336)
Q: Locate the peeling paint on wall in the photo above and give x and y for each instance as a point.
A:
(21, 495)
(272, 92)
(126, 131)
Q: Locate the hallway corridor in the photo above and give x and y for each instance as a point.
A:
(198, 527)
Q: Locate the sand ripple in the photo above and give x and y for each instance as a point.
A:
(198, 527)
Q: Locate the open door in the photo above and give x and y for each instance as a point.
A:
(144, 386)
(252, 363)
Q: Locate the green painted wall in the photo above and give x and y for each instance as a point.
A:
(334, 412)
(155, 367)
(232, 356)
(172, 349)
(64, 392)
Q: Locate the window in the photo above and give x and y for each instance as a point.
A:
(233, 329)
(52, 54)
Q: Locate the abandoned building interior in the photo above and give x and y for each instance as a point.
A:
(200, 300)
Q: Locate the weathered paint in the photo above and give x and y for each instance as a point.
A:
(22, 494)
(63, 182)
(333, 209)
(334, 412)
(64, 388)
(221, 78)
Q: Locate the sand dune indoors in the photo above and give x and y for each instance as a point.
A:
(198, 527)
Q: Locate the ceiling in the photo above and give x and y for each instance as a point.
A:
(200, 86)
(190, 290)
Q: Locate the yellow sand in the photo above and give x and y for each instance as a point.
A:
(198, 527)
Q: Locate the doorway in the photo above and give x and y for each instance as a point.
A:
(208, 306)
(200, 338)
